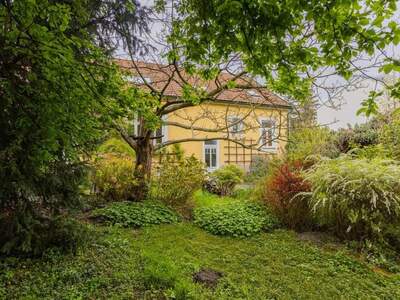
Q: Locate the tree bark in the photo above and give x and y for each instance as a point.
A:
(142, 171)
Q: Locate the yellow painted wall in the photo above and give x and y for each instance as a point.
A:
(214, 115)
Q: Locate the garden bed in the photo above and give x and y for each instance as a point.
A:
(162, 262)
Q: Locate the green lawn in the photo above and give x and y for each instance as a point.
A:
(202, 199)
(158, 262)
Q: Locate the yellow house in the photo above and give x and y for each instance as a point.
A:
(235, 124)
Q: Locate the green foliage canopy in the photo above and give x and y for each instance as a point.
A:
(285, 41)
(58, 92)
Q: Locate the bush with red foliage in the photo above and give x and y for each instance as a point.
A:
(282, 195)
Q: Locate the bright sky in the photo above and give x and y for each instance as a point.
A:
(346, 114)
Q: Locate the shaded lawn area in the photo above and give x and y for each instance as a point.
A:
(159, 261)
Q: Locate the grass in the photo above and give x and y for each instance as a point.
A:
(158, 262)
(205, 199)
(267, 266)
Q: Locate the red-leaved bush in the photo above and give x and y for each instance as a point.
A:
(283, 186)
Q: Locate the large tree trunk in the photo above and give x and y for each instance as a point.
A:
(142, 172)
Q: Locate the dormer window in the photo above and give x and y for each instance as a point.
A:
(253, 93)
(137, 79)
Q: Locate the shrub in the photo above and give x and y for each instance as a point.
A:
(116, 146)
(224, 180)
(40, 234)
(357, 137)
(381, 255)
(308, 142)
(173, 153)
(355, 197)
(135, 214)
(236, 219)
(68, 234)
(243, 194)
(283, 195)
(113, 178)
(28, 211)
(366, 134)
(258, 168)
(390, 136)
(210, 185)
(175, 182)
(370, 152)
(391, 235)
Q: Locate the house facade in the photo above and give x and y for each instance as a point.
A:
(255, 132)
(234, 126)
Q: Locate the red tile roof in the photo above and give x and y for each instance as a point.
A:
(166, 78)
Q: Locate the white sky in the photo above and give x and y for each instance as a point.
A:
(346, 114)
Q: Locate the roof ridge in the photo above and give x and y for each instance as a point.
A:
(160, 78)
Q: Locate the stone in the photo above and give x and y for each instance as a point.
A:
(208, 277)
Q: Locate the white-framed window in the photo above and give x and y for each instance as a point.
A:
(211, 154)
(236, 125)
(253, 93)
(161, 132)
(136, 79)
(268, 134)
(136, 125)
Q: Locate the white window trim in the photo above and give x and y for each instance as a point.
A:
(136, 125)
(241, 126)
(253, 93)
(274, 146)
(137, 79)
(164, 129)
(217, 157)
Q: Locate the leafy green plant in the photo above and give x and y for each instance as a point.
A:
(117, 147)
(357, 137)
(355, 197)
(236, 219)
(306, 143)
(370, 152)
(258, 168)
(63, 233)
(224, 180)
(135, 214)
(243, 194)
(391, 235)
(390, 136)
(26, 220)
(69, 234)
(113, 178)
(174, 182)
